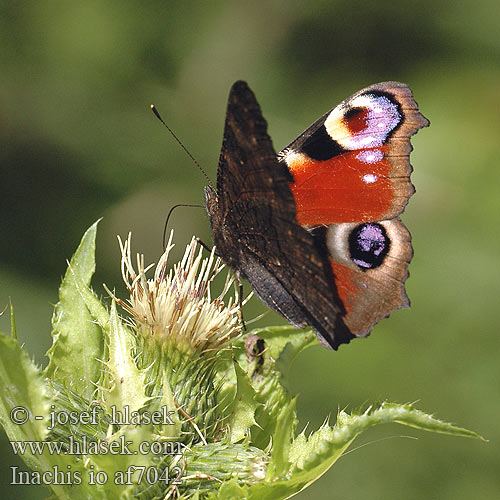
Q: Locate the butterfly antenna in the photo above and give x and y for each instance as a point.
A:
(155, 111)
(168, 217)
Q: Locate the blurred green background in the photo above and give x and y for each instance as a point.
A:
(78, 142)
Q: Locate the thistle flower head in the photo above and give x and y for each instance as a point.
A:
(176, 304)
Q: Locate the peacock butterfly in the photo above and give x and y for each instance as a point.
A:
(314, 228)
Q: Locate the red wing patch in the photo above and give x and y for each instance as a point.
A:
(353, 187)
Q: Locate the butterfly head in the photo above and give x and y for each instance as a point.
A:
(222, 236)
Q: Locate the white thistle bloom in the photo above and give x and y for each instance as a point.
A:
(176, 304)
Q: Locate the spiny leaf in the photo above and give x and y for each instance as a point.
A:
(125, 385)
(312, 456)
(282, 438)
(77, 342)
(405, 414)
(22, 386)
(243, 408)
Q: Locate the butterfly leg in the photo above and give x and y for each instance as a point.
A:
(240, 300)
(204, 245)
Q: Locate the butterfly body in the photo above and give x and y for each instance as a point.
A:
(312, 227)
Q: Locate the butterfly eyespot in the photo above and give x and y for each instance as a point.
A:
(368, 245)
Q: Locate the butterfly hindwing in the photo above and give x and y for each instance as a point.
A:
(370, 265)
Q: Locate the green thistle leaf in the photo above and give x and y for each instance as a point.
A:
(125, 385)
(77, 342)
(310, 457)
(243, 409)
(286, 423)
(22, 385)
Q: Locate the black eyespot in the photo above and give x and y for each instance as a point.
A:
(368, 245)
(320, 146)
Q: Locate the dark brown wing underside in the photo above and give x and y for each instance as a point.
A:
(255, 231)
